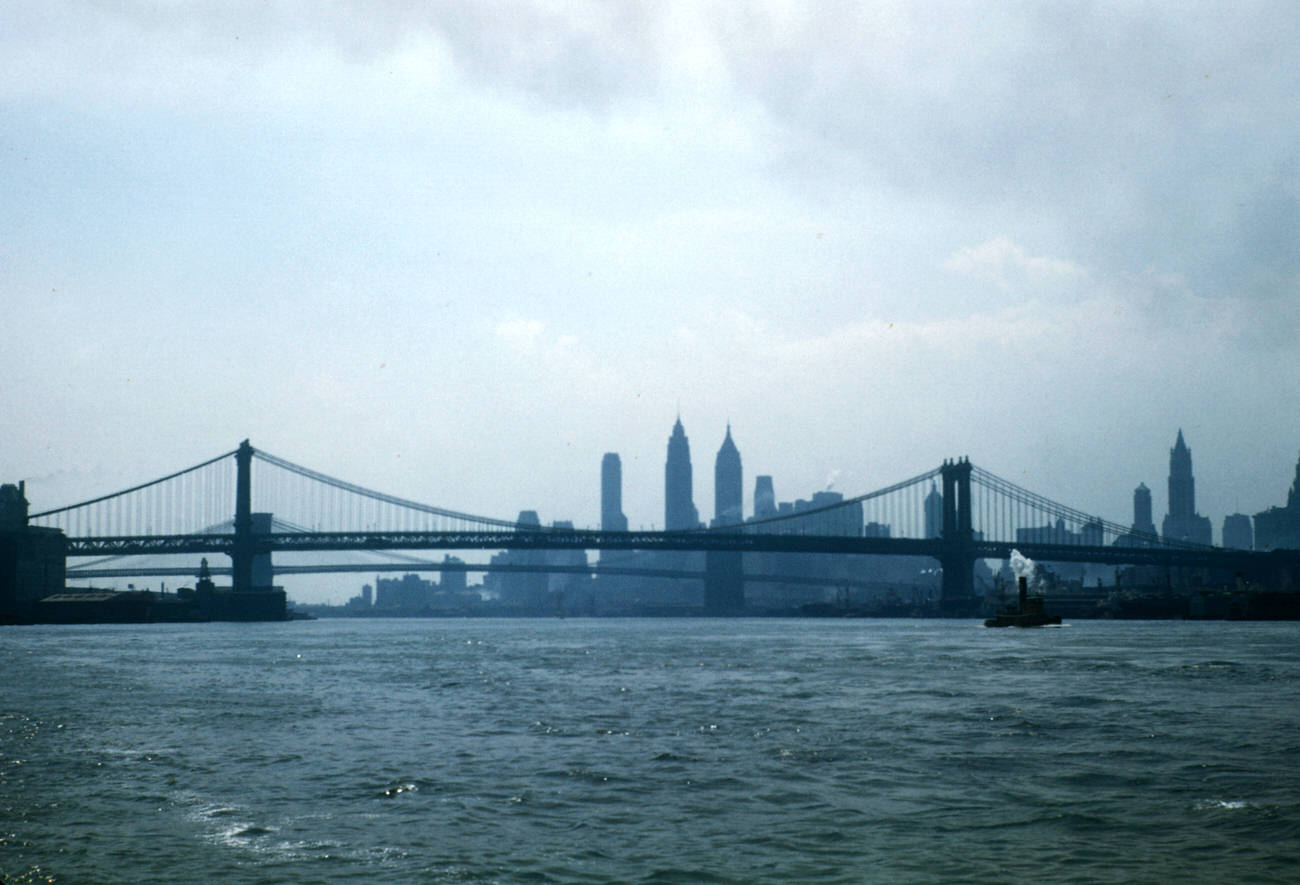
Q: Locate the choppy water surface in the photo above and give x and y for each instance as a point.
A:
(651, 751)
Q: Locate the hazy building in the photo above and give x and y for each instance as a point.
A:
(764, 498)
(1183, 523)
(679, 499)
(728, 484)
(409, 593)
(577, 559)
(1143, 531)
(453, 581)
(1143, 522)
(933, 512)
(1237, 532)
(820, 516)
(1279, 527)
(521, 591)
(611, 494)
(876, 530)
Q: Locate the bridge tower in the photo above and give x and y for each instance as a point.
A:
(241, 552)
(958, 557)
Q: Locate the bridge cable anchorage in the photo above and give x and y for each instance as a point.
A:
(803, 514)
(381, 497)
(144, 485)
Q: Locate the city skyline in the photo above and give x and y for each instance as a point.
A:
(441, 257)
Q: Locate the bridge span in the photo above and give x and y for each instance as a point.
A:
(955, 514)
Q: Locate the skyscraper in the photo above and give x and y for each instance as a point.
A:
(1279, 527)
(611, 494)
(728, 484)
(764, 497)
(1237, 532)
(933, 512)
(1183, 523)
(1143, 524)
(679, 501)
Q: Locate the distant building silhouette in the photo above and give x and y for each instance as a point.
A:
(1279, 527)
(1143, 522)
(822, 517)
(764, 497)
(1183, 523)
(933, 512)
(876, 530)
(1143, 531)
(453, 581)
(728, 484)
(522, 591)
(611, 494)
(679, 500)
(1091, 533)
(409, 593)
(1237, 532)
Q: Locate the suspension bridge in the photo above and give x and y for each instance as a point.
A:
(956, 513)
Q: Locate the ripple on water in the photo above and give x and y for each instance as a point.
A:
(653, 751)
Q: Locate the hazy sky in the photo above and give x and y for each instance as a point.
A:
(457, 251)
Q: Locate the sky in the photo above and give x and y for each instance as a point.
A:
(456, 252)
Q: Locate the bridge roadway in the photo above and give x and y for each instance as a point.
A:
(748, 542)
(408, 567)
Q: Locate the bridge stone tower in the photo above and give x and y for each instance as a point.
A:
(958, 557)
(242, 551)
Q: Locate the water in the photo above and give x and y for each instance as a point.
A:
(650, 751)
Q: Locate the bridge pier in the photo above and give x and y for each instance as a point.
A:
(957, 595)
(250, 567)
(724, 582)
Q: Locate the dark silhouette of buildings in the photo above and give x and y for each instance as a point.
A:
(32, 563)
(679, 502)
(1279, 527)
(611, 494)
(1143, 522)
(1183, 523)
(1237, 532)
(1143, 531)
(407, 593)
(764, 498)
(728, 484)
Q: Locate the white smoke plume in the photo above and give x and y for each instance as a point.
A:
(1024, 567)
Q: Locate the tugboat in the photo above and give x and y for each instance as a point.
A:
(1029, 613)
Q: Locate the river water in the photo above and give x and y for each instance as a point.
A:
(661, 751)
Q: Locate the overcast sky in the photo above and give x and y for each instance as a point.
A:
(457, 251)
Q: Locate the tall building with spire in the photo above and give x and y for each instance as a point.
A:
(1183, 523)
(933, 512)
(728, 484)
(679, 499)
(611, 494)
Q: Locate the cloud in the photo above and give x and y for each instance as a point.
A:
(519, 332)
(1007, 265)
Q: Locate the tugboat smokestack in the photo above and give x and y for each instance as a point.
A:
(1024, 592)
